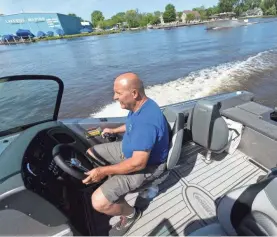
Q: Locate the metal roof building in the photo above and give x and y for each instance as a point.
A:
(35, 22)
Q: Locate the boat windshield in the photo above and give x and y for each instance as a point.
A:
(26, 102)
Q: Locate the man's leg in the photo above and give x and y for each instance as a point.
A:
(109, 199)
(106, 153)
(103, 205)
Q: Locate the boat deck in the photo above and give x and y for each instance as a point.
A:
(186, 199)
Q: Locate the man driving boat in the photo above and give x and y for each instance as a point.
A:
(138, 159)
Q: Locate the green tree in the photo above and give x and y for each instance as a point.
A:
(156, 20)
(169, 14)
(268, 6)
(251, 4)
(72, 14)
(190, 17)
(144, 19)
(152, 19)
(202, 11)
(180, 15)
(132, 18)
(97, 16)
(227, 5)
(271, 11)
(101, 24)
(119, 18)
(157, 14)
(268, 3)
(212, 11)
(239, 9)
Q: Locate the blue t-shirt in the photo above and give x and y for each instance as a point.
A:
(146, 129)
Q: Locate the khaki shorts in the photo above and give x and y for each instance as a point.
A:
(117, 186)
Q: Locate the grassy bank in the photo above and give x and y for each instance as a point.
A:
(79, 35)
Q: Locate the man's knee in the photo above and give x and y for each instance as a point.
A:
(99, 201)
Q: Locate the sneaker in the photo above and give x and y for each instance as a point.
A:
(124, 225)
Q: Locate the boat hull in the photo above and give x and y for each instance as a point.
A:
(223, 24)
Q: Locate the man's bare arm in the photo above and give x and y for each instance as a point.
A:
(136, 163)
(120, 129)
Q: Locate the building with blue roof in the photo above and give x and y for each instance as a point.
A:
(38, 23)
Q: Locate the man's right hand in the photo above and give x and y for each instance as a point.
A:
(107, 130)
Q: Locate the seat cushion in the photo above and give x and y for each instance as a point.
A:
(208, 128)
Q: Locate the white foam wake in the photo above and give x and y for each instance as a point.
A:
(200, 83)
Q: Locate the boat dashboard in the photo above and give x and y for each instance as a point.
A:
(28, 169)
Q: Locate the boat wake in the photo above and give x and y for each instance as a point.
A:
(201, 83)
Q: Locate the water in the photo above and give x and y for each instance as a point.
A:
(175, 65)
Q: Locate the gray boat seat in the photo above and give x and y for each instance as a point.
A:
(246, 211)
(208, 128)
(176, 123)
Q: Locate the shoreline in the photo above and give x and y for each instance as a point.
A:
(62, 37)
(99, 33)
(167, 26)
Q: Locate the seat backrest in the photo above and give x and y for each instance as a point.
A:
(176, 123)
(250, 210)
(208, 128)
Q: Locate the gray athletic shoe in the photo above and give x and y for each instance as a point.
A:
(123, 226)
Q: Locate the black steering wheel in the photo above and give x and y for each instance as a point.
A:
(71, 160)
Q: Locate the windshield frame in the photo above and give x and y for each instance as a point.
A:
(34, 78)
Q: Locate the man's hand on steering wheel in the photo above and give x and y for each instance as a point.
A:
(107, 131)
(94, 176)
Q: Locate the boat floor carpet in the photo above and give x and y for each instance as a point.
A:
(186, 200)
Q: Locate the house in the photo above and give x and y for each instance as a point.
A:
(253, 12)
(195, 13)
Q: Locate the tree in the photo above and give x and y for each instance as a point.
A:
(72, 14)
(269, 7)
(97, 16)
(251, 4)
(132, 18)
(101, 24)
(157, 13)
(180, 15)
(199, 9)
(268, 3)
(156, 20)
(119, 18)
(271, 11)
(239, 9)
(202, 12)
(169, 14)
(227, 5)
(190, 17)
(212, 11)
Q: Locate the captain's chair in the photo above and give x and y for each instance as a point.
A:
(176, 123)
(246, 211)
(208, 128)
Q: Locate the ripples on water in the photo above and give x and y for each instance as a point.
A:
(175, 65)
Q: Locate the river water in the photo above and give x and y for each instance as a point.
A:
(175, 65)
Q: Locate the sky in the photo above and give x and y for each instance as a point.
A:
(84, 8)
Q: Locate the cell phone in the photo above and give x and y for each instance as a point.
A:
(93, 132)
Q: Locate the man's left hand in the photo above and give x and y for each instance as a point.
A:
(94, 176)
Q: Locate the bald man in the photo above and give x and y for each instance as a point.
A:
(139, 158)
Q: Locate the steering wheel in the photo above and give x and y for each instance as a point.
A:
(71, 160)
